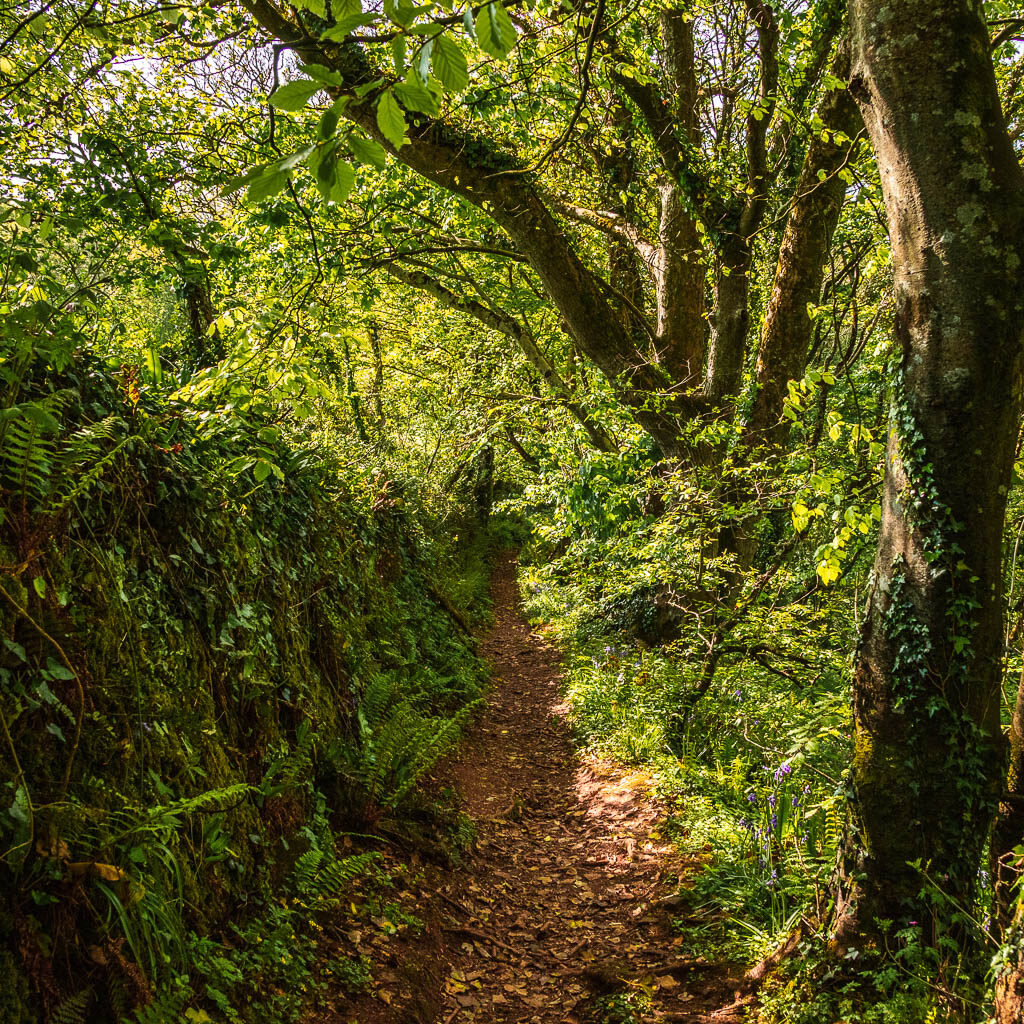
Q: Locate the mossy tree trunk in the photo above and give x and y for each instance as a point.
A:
(928, 760)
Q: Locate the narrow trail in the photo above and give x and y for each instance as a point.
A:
(563, 902)
(560, 904)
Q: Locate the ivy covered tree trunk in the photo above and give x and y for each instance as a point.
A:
(928, 759)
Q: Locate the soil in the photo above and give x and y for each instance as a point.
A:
(564, 905)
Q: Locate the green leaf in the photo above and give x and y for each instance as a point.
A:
(367, 151)
(317, 7)
(243, 179)
(495, 32)
(328, 124)
(322, 74)
(295, 95)
(335, 178)
(39, 586)
(416, 96)
(398, 54)
(16, 649)
(267, 185)
(153, 364)
(321, 155)
(59, 671)
(390, 119)
(262, 470)
(449, 64)
(344, 179)
(423, 64)
(293, 160)
(367, 87)
(347, 25)
(54, 730)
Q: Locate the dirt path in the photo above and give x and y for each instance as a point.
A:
(559, 909)
(563, 904)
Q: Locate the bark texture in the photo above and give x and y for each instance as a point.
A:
(928, 757)
(679, 266)
(810, 225)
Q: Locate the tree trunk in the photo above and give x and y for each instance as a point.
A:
(928, 753)
(1009, 828)
(378, 376)
(679, 265)
(801, 265)
(731, 322)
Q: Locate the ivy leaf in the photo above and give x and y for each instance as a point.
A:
(390, 119)
(367, 151)
(295, 95)
(495, 32)
(449, 64)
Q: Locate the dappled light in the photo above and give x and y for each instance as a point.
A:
(511, 512)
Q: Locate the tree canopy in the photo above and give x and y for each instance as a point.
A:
(714, 309)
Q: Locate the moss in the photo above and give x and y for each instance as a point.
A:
(218, 631)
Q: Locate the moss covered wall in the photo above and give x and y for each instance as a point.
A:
(195, 664)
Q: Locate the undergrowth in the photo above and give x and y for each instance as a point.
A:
(669, 667)
(227, 645)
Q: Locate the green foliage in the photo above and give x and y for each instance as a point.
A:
(197, 595)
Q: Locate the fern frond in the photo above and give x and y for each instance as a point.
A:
(73, 1009)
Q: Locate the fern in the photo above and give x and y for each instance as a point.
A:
(320, 875)
(166, 1008)
(73, 1009)
(26, 455)
(83, 459)
(398, 751)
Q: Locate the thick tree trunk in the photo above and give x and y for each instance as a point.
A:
(618, 174)
(802, 256)
(928, 756)
(679, 266)
(679, 289)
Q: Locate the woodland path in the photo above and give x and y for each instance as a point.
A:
(561, 901)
